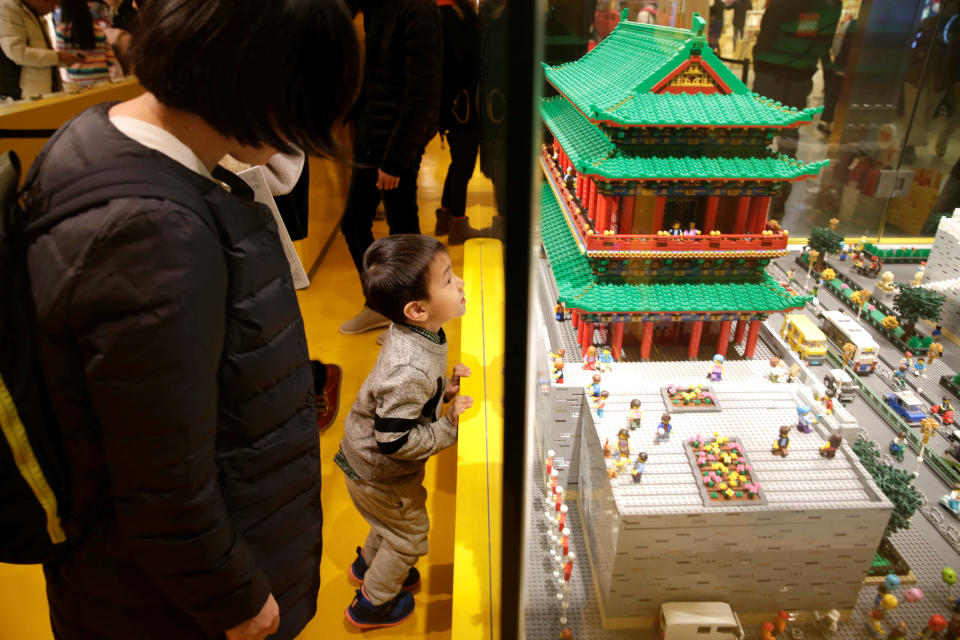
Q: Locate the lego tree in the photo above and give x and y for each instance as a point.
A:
(915, 303)
(934, 351)
(849, 349)
(889, 323)
(824, 241)
(895, 483)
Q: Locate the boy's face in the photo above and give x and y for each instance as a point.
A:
(446, 293)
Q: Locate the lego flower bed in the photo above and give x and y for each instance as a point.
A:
(724, 474)
(696, 398)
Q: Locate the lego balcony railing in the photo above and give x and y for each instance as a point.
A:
(682, 244)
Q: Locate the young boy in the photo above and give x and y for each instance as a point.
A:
(395, 423)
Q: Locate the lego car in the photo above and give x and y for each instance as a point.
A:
(840, 385)
(907, 405)
(699, 621)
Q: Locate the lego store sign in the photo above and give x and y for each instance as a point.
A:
(807, 25)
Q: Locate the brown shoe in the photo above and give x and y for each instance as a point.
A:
(461, 231)
(327, 394)
(442, 227)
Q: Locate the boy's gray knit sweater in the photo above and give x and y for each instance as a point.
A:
(395, 423)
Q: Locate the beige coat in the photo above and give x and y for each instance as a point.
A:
(22, 40)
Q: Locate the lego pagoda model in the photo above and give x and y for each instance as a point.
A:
(659, 179)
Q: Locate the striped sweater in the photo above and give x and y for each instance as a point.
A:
(96, 65)
(395, 423)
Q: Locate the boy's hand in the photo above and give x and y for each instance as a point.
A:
(458, 406)
(453, 384)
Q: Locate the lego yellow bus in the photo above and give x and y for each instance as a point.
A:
(805, 338)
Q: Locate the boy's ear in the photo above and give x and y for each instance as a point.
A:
(415, 310)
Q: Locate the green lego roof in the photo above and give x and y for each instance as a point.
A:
(613, 83)
(579, 289)
(592, 153)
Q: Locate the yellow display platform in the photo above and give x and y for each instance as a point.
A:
(476, 573)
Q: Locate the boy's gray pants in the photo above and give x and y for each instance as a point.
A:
(397, 515)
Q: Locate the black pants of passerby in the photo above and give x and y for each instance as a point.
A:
(464, 146)
(400, 204)
(832, 84)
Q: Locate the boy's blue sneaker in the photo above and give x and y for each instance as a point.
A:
(363, 614)
(359, 568)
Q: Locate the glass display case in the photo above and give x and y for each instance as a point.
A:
(713, 440)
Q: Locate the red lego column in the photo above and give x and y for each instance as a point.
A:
(587, 337)
(724, 338)
(758, 211)
(581, 327)
(580, 185)
(603, 212)
(710, 221)
(618, 328)
(613, 214)
(740, 332)
(752, 336)
(563, 160)
(575, 319)
(695, 334)
(647, 339)
(658, 212)
(743, 209)
(593, 200)
(626, 214)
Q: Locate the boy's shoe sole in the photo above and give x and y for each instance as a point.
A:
(354, 580)
(366, 627)
(331, 392)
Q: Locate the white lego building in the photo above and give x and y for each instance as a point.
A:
(943, 270)
(807, 546)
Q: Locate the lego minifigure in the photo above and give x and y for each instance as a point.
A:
(605, 360)
(606, 448)
(600, 403)
(935, 625)
(829, 448)
(900, 375)
(899, 632)
(945, 405)
(557, 373)
(663, 429)
(560, 311)
(805, 419)
(920, 368)
(780, 622)
(832, 618)
(590, 360)
(782, 445)
(937, 331)
(570, 180)
(826, 401)
(766, 631)
(623, 443)
(716, 373)
(907, 359)
(595, 386)
(675, 230)
(691, 230)
(954, 499)
(791, 275)
(888, 602)
(639, 466)
(778, 370)
(635, 418)
(559, 353)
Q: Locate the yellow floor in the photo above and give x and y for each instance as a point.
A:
(334, 296)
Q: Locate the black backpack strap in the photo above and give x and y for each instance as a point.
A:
(99, 184)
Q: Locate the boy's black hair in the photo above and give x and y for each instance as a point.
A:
(396, 270)
(279, 73)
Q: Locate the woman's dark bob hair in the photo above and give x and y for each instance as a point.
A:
(281, 73)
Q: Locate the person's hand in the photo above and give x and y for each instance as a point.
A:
(67, 58)
(453, 384)
(458, 406)
(260, 626)
(385, 181)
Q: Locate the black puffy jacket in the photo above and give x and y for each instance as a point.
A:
(461, 68)
(175, 355)
(396, 112)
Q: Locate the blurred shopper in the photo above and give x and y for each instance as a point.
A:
(396, 116)
(460, 121)
(740, 9)
(795, 35)
(81, 29)
(28, 64)
(834, 70)
(170, 334)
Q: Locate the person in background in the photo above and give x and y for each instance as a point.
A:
(740, 9)
(170, 335)
(396, 116)
(28, 64)
(834, 69)
(459, 121)
(80, 27)
(795, 35)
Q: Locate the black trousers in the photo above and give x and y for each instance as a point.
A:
(464, 147)
(403, 215)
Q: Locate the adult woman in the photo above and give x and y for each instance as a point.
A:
(170, 335)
